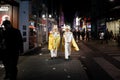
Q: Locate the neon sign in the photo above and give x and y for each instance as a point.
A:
(4, 8)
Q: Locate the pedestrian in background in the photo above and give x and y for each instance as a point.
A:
(75, 34)
(87, 35)
(83, 34)
(13, 47)
(54, 41)
(101, 35)
(78, 35)
(106, 36)
(68, 42)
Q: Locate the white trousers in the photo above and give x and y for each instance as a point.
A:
(53, 53)
(67, 49)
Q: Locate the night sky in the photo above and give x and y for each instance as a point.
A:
(82, 7)
(70, 7)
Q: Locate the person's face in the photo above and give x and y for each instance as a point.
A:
(67, 30)
(55, 30)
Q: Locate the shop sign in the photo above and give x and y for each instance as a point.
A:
(4, 8)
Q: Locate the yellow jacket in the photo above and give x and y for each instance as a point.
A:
(74, 46)
(53, 42)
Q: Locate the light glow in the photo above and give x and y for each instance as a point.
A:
(4, 8)
(111, 0)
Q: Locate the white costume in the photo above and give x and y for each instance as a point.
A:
(68, 36)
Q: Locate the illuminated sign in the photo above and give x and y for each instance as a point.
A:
(4, 8)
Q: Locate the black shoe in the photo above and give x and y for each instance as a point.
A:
(66, 59)
(69, 57)
(51, 58)
(55, 57)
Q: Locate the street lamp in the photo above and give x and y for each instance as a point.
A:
(50, 16)
(43, 16)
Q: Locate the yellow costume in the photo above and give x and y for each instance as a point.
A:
(54, 41)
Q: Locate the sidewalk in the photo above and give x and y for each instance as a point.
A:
(41, 67)
(21, 58)
(112, 46)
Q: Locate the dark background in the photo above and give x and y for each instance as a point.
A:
(83, 8)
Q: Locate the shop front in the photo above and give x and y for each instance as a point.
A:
(10, 12)
(114, 26)
(32, 35)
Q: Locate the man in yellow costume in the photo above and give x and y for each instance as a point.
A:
(54, 41)
(69, 42)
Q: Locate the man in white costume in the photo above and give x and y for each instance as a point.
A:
(68, 36)
(54, 41)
